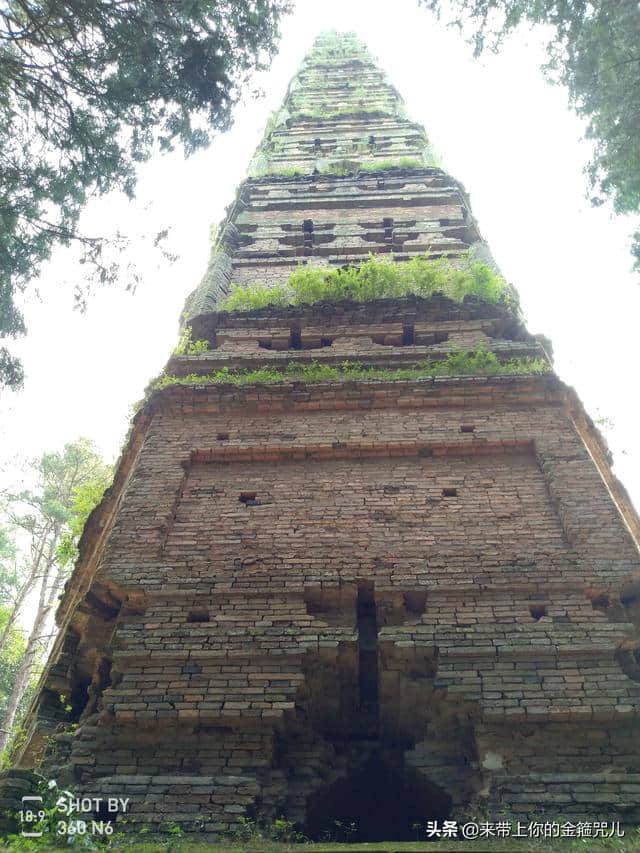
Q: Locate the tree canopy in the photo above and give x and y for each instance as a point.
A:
(13, 650)
(594, 51)
(88, 89)
(40, 527)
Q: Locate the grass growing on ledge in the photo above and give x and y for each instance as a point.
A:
(376, 278)
(480, 363)
(350, 166)
(355, 110)
(174, 843)
(186, 346)
(340, 167)
(399, 163)
(284, 172)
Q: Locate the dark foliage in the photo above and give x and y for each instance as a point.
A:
(88, 89)
(595, 53)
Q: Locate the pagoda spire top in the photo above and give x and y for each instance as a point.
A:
(340, 113)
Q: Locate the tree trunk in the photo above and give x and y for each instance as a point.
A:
(24, 590)
(34, 643)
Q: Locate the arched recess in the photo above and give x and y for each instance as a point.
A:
(379, 799)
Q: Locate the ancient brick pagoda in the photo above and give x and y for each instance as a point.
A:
(372, 601)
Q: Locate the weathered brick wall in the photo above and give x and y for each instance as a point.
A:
(570, 770)
(294, 590)
(251, 521)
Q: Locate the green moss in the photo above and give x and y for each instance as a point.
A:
(376, 278)
(480, 363)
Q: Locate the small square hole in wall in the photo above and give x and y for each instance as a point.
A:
(249, 499)
(408, 336)
(630, 593)
(199, 615)
(537, 611)
(415, 602)
(600, 601)
(450, 493)
(467, 428)
(222, 436)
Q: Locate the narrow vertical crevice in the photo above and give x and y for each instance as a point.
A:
(408, 336)
(295, 339)
(307, 234)
(387, 225)
(368, 657)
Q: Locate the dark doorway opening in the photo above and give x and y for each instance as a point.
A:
(79, 698)
(368, 647)
(382, 800)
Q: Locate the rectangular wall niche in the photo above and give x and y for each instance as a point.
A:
(365, 511)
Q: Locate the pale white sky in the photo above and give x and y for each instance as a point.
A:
(499, 128)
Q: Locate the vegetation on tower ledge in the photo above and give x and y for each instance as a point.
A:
(479, 363)
(376, 278)
(187, 346)
(345, 166)
(397, 163)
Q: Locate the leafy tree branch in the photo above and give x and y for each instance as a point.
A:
(88, 90)
(38, 546)
(593, 52)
